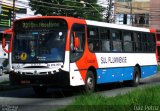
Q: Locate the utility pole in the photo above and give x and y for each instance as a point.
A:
(131, 14)
(110, 11)
(13, 10)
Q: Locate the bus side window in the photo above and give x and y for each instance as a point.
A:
(144, 42)
(79, 31)
(127, 41)
(93, 39)
(151, 42)
(105, 39)
(116, 40)
(137, 41)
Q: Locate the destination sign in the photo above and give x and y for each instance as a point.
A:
(40, 24)
(5, 16)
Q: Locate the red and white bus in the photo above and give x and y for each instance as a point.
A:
(65, 51)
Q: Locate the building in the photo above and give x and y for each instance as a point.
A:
(7, 16)
(143, 13)
(132, 12)
(9, 9)
(155, 21)
(155, 14)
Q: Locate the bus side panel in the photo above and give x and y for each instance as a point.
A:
(148, 71)
(75, 75)
(114, 67)
(114, 74)
(79, 69)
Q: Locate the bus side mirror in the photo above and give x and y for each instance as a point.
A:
(76, 41)
(6, 37)
(3, 41)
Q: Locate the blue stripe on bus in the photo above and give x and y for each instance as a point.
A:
(114, 74)
(120, 74)
(148, 71)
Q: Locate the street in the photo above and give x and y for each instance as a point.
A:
(24, 99)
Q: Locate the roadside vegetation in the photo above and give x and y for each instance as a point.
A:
(144, 99)
(158, 68)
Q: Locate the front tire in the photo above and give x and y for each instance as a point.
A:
(89, 83)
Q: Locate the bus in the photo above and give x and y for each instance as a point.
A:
(158, 47)
(57, 51)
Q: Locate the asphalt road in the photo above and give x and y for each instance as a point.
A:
(25, 100)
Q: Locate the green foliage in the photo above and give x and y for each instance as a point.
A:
(87, 10)
(158, 68)
(145, 98)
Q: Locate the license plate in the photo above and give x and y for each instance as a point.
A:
(25, 82)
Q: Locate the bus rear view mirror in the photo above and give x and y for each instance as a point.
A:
(76, 41)
(3, 41)
(7, 38)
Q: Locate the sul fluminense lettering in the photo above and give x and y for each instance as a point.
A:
(105, 60)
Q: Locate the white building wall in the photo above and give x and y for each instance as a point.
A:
(20, 4)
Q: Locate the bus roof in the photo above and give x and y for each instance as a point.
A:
(110, 25)
(94, 23)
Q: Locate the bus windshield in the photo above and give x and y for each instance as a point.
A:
(39, 41)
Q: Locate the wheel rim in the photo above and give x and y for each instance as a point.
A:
(90, 82)
(136, 78)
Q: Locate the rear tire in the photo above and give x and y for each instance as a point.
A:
(136, 77)
(89, 83)
(40, 90)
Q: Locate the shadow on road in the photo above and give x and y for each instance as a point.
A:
(70, 92)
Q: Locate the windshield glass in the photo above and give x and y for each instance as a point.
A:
(39, 41)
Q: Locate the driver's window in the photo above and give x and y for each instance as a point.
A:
(76, 52)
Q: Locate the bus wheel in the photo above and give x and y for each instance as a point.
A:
(136, 77)
(89, 83)
(40, 90)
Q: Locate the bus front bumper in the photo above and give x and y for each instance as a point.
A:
(59, 79)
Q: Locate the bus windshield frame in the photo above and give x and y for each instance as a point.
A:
(39, 41)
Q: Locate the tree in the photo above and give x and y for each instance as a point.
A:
(87, 9)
